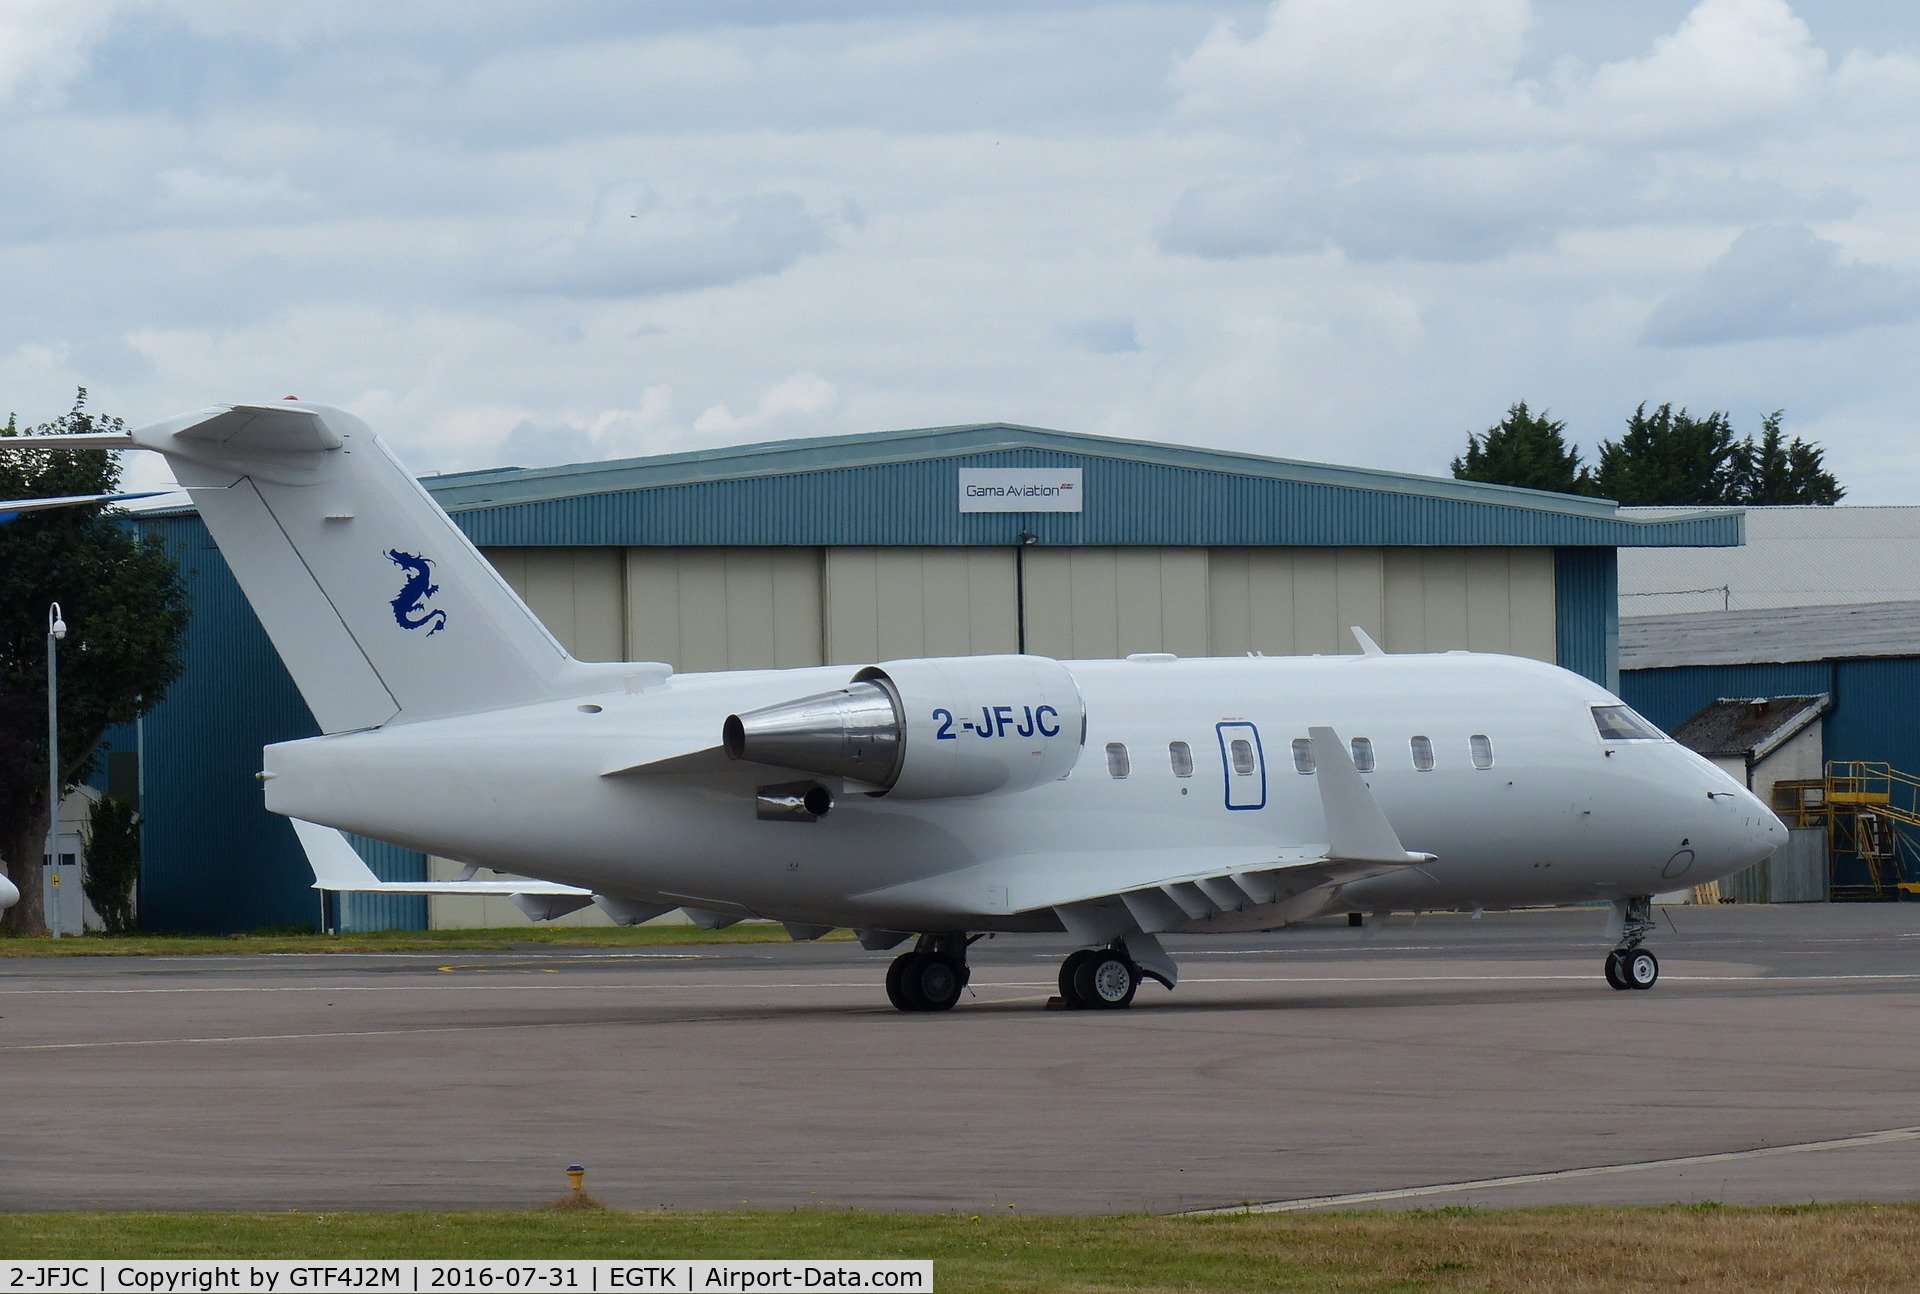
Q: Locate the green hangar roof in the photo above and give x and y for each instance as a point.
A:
(903, 488)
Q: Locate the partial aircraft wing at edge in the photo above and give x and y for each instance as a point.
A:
(337, 866)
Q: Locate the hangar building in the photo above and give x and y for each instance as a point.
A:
(1816, 620)
(857, 549)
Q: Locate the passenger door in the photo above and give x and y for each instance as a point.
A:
(1243, 764)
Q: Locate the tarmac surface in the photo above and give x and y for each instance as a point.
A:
(1371, 1066)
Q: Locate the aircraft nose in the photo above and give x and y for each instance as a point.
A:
(1761, 831)
(9, 894)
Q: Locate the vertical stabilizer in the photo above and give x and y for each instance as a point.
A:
(378, 604)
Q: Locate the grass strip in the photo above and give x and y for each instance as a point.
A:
(394, 941)
(1699, 1247)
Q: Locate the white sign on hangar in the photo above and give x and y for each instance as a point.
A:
(1020, 489)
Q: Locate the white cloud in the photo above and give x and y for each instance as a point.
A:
(791, 406)
(45, 44)
(638, 244)
(1399, 69)
(1407, 129)
(1730, 64)
(1783, 281)
(1350, 230)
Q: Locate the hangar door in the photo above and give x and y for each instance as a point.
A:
(766, 608)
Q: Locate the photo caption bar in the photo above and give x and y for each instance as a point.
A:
(456, 1276)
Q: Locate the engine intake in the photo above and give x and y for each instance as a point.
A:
(927, 729)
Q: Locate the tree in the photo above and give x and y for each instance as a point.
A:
(113, 861)
(1774, 472)
(1671, 458)
(125, 608)
(1525, 450)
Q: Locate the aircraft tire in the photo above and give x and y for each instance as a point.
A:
(897, 982)
(1106, 981)
(1640, 968)
(933, 982)
(1617, 969)
(1069, 986)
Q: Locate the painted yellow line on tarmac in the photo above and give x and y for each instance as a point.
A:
(1884, 1137)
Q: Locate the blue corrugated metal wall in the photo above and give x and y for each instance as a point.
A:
(1870, 717)
(214, 860)
(1670, 697)
(1586, 590)
(913, 503)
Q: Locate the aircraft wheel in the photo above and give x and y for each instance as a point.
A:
(1617, 969)
(1069, 988)
(935, 982)
(897, 982)
(1106, 980)
(1640, 968)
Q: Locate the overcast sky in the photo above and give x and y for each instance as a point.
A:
(1346, 230)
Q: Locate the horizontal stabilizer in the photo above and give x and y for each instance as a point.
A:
(11, 508)
(337, 866)
(270, 427)
(79, 440)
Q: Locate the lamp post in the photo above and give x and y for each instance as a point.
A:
(56, 630)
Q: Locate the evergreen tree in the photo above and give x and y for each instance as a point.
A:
(1669, 458)
(1525, 450)
(1778, 471)
(126, 610)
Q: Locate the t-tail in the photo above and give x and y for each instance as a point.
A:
(382, 610)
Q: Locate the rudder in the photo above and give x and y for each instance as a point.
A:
(379, 605)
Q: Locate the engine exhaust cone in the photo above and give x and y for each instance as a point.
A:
(856, 733)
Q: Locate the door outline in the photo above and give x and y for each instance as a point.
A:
(1226, 762)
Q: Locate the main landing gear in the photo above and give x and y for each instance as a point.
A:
(1630, 965)
(932, 976)
(1099, 979)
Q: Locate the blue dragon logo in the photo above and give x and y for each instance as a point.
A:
(410, 609)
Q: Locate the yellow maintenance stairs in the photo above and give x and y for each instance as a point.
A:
(1868, 810)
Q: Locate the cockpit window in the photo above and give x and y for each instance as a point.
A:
(1619, 723)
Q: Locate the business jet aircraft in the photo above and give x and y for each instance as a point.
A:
(935, 799)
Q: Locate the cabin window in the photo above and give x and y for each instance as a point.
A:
(1422, 748)
(1482, 748)
(1363, 754)
(1180, 756)
(1240, 751)
(1303, 754)
(1117, 765)
(1618, 723)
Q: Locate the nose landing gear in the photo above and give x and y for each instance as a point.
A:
(1630, 965)
(932, 976)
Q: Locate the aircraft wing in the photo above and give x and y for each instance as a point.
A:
(1099, 896)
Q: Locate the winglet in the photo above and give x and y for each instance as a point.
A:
(1357, 831)
(1368, 647)
(336, 865)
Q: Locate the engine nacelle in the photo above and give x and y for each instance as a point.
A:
(927, 729)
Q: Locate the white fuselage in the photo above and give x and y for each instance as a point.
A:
(1560, 815)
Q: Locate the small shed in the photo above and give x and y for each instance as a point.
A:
(1760, 741)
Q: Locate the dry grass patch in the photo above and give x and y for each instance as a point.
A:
(1706, 1249)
